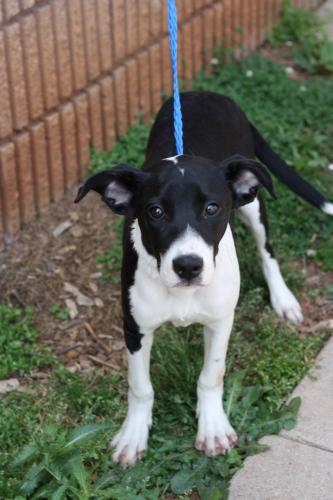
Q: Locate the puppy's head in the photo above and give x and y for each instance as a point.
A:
(181, 209)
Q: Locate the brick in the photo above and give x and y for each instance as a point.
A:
(180, 55)
(237, 36)
(187, 53)
(48, 56)
(77, 43)
(165, 16)
(9, 190)
(95, 116)
(245, 22)
(6, 113)
(118, 29)
(253, 26)
(277, 10)
(11, 8)
(27, 4)
(155, 18)
(144, 85)
(197, 43)
(63, 56)
(54, 153)
(40, 165)
(166, 67)
(83, 133)
(132, 28)
(264, 19)
(69, 144)
(16, 75)
(32, 65)
(133, 91)
(198, 4)
(208, 23)
(156, 75)
(218, 20)
(144, 22)
(91, 38)
(2, 228)
(186, 56)
(25, 177)
(227, 24)
(105, 34)
(108, 112)
(121, 100)
(187, 8)
(68, 135)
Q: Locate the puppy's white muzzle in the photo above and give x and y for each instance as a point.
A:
(188, 262)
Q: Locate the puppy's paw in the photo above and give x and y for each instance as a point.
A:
(286, 305)
(215, 434)
(131, 440)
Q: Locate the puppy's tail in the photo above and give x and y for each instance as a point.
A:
(287, 175)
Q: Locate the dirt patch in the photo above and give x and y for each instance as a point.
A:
(35, 269)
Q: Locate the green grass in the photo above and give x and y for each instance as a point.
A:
(266, 358)
(304, 31)
(19, 347)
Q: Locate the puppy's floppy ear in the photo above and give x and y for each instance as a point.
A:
(245, 177)
(117, 186)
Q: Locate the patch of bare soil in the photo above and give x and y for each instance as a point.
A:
(318, 309)
(283, 55)
(54, 262)
(43, 268)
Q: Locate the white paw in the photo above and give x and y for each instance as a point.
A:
(286, 305)
(132, 438)
(215, 434)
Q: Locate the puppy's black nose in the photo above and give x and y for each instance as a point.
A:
(188, 266)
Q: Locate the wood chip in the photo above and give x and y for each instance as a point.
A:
(99, 302)
(117, 329)
(322, 325)
(81, 299)
(90, 330)
(61, 228)
(9, 385)
(108, 364)
(72, 308)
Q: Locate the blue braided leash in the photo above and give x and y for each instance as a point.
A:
(177, 110)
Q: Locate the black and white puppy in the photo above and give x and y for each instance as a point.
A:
(179, 258)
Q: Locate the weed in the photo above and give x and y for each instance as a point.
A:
(20, 352)
(56, 462)
(312, 49)
(130, 149)
(59, 312)
(111, 259)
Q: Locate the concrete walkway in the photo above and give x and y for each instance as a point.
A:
(299, 463)
(326, 12)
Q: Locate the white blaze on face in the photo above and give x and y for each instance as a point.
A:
(188, 243)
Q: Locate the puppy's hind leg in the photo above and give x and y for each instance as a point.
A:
(282, 299)
(132, 438)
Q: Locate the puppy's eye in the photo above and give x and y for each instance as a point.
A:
(212, 209)
(155, 212)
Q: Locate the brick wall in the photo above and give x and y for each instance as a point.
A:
(75, 73)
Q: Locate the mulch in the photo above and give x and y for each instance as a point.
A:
(35, 269)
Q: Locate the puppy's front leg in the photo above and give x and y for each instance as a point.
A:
(132, 438)
(215, 434)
